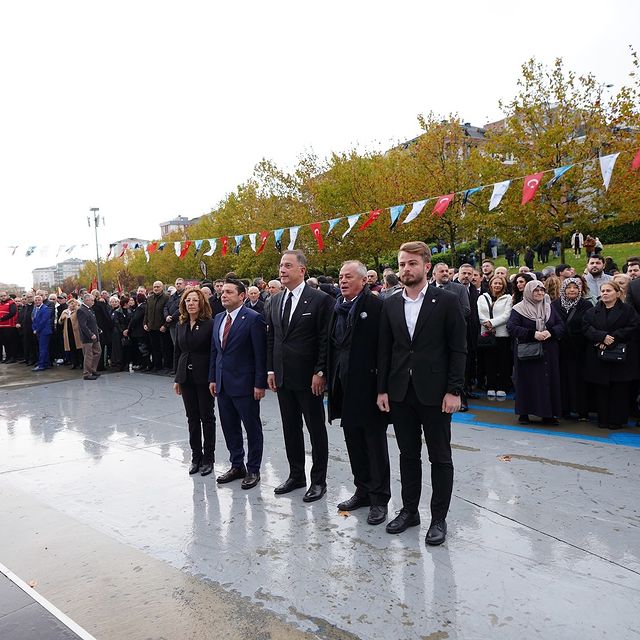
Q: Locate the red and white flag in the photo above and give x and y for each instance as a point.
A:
(125, 246)
(442, 204)
(225, 241)
(373, 216)
(263, 241)
(530, 186)
(317, 234)
(185, 248)
(635, 164)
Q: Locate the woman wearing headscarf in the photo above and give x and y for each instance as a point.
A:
(609, 324)
(536, 381)
(571, 307)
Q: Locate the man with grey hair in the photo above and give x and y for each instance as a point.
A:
(352, 354)
(273, 288)
(253, 300)
(89, 333)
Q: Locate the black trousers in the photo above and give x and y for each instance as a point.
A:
(410, 420)
(369, 458)
(9, 340)
(155, 338)
(613, 403)
(30, 346)
(199, 404)
(294, 405)
(499, 363)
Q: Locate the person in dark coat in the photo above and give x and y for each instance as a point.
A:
(191, 364)
(609, 323)
(121, 352)
(352, 353)
(571, 307)
(29, 343)
(102, 312)
(139, 337)
(537, 382)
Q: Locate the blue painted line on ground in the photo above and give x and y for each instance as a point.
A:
(624, 439)
(484, 407)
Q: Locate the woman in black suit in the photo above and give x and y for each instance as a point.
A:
(191, 363)
(611, 322)
(571, 307)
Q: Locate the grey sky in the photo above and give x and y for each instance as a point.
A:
(152, 109)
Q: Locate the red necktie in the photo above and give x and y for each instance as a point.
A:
(225, 331)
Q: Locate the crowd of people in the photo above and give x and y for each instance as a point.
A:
(410, 348)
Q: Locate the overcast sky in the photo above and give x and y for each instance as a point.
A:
(148, 110)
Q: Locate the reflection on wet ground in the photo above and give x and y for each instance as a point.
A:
(544, 531)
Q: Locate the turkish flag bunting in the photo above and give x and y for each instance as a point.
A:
(152, 246)
(263, 241)
(373, 216)
(442, 204)
(317, 234)
(530, 186)
(185, 248)
(125, 246)
(224, 241)
(636, 162)
(94, 284)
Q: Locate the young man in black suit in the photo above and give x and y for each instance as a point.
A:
(421, 362)
(352, 354)
(296, 365)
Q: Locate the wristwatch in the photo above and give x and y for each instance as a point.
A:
(320, 373)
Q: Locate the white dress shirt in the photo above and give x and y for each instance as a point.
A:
(233, 315)
(296, 294)
(412, 309)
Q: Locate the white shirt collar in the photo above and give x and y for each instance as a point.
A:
(297, 292)
(421, 295)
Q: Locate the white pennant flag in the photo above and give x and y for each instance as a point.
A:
(212, 247)
(178, 248)
(606, 166)
(252, 240)
(415, 211)
(352, 221)
(499, 189)
(293, 235)
(146, 253)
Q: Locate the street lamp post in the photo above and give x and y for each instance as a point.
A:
(96, 222)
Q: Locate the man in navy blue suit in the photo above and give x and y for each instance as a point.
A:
(42, 329)
(238, 377)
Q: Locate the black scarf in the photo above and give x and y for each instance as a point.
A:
(345, 313)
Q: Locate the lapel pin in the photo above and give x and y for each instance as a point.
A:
(433, 300)
(363, 315)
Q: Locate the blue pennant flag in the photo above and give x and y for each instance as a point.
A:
(236, 249)
(468, 193)
(395, 214)
(161, 246)
(332, 223)
(557, 174)
(198, 244)
(278, 236)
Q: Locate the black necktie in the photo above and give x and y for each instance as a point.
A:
(286, 313)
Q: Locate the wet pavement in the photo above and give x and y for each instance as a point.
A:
(98, 509)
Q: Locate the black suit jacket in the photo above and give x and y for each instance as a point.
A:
(352, 368)
(434, 359)
(633, 294)
(258, 308)
(295, 356)
(193, 347)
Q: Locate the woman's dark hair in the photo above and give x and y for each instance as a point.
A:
(124, 301)
(517, 295)
(140, 298)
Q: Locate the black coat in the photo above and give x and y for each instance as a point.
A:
(537, 382)
(136, 322)
(193, 347)
(435, 359)
(102, 312)
(352, 366)
(258, 307)
(633, 294)
(573, 341)
(621, 322)
(295, 356)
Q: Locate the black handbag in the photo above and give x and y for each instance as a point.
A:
(530, 350)
(614, 353)
(487, 339)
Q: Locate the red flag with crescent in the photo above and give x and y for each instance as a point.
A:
(224, 240)
(636, 162)
(317, 234)
(442, 204)
(263, 241)
(530, 186)
(125, 246)
(373, 216)
(152, 246)
(185, 248)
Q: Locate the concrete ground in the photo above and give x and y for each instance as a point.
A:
(101, 517)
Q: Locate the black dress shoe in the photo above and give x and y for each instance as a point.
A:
(206, 468)
(96, 374)
(524, 419)
(437, 533)
(250, 480)
(289, 485)
(194, 468)
(315, 492)
(403, 520)
(235, 473)
(354, 502)
(91, 377)
(377, 514)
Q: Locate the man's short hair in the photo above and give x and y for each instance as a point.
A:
(238, 284)
(299, 254)
(561, 267)
(86, 296)
(361, 270)
(217, 280)
(491, 262)
(391, 280)
(441, 264)
(417, 247)
(466, 265)
(597, 256)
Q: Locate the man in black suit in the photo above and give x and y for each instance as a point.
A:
(254, 301)
(465, 274)
(296, 365)
(421, 361)
(352, 355)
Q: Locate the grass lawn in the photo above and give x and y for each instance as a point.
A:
(619, 253)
